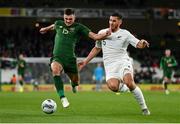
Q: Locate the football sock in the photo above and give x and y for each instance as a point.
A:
(59, 86)
(74, 84)
(165, 84)
(74, 87)
(139, 97)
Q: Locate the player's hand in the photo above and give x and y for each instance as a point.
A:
(169, 65)
(22, 65)
(43, 30)
(81, 65)
(108, 32)
(142, 44)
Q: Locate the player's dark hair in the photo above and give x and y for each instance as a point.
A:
(117, 15)
(68, 11)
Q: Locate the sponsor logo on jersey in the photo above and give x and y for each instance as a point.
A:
(71, 29)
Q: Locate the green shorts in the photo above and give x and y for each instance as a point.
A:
(21, 72)
(167, 74)
(69, 63)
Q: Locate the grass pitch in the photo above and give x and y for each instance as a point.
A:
(89, 107)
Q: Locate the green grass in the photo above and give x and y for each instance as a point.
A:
(89, 107)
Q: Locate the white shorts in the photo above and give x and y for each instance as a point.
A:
(118, 69)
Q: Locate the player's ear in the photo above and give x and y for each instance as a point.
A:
(74, 17)
(120, 22)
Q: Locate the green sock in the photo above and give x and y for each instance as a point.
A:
(74, 84)
(74, 87)
(59, 86)
(21, 82)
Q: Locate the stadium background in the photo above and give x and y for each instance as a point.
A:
(156, 21)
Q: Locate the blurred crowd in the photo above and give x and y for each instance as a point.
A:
(33, 44)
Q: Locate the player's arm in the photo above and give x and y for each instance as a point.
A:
(136, 42)
(46, 29)
(91, 55)
(100, 36)
(142, 44)
(174, 63)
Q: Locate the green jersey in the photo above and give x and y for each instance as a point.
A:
(67, 37)
(21, 67)
(168, 60)
(167, 71)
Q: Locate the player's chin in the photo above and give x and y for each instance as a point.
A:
(69, 24)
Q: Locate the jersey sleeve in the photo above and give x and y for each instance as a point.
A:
(84, 30)
(132, 39)
(98, 44)
(56, 23)
(174, 63)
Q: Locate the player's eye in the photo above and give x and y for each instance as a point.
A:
(68, 19)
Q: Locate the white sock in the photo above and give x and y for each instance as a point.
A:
(139, 97)
(123, 87)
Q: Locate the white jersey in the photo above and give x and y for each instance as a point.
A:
(114, 47)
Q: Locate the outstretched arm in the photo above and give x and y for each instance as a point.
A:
(142, 44)
(173, 63)
(100, 36)
(91, 55)
(46, 29)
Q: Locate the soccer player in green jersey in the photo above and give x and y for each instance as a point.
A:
(166, 64)
(68, 33)
(21, 66)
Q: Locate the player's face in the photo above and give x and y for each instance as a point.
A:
(168, 53)
(114, 23)
(20, 56)
(69, 19)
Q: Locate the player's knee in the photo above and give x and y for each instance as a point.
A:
(131, 85)
(128, 79)
(56, 68)
(75, 79)
(113, 87)
(75, 82)
(55, 71)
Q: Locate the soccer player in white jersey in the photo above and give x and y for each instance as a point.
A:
(117, 63)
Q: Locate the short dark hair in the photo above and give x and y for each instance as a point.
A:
(68, 11)
(117, 15)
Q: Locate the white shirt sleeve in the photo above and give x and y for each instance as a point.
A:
(132, 39)
(98, 44)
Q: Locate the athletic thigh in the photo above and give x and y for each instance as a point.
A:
(57, 64)
(56, 68)
(129, 81)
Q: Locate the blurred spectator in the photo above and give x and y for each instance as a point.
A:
(13, 79)
(98, 76)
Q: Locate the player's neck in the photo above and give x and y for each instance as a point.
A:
(114, 30)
